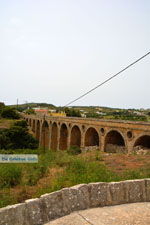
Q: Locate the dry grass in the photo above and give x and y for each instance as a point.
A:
(120, 162)
(5, 123)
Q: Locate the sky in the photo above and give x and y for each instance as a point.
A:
(53, 51)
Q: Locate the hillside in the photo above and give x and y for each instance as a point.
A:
(99, 112)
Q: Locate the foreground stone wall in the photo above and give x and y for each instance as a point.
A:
(51, 206)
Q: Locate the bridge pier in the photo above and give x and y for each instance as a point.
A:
(58, 138)
(50, 133)
(69, 138)
(82, 140)
(40, 137)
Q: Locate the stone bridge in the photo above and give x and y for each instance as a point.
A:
(59, 133)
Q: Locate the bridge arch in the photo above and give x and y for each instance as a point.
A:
(63, 137)
(91, 137)
(54, 136)
(37, 135)
(33, 126)
(29, 122)
(114, 142)
(143, 141)
(45, 135)
(75, 139)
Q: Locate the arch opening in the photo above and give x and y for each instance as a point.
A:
(54, 136)
(33, 126)
(142, 142)
(63, 137)
(45, 135)
(91, 137)
(75, 137)
(30, 122)
(114, 142)
(38, 130)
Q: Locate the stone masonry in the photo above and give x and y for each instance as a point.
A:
(60, 203)
(62, 132)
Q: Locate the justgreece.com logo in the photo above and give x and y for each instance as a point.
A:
(18, 158)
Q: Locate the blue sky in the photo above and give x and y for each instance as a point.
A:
(54, 51)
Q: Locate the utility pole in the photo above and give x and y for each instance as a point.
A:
(17, 102)
(44, 133)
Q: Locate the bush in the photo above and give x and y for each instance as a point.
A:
(17, 137)
(10, 113)
(4, 139)
(21, 123)
(20, 138)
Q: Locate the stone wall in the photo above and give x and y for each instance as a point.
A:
(110, 148)
(51, 206)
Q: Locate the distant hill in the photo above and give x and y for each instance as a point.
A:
(34, 104)
(100, 112)
(25, 106)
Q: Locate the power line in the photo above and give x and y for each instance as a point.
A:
(110, 78)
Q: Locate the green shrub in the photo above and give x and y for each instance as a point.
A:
(74, 150)
(17, 137)
(4, 139)
(21, 123)
(10, 113)
(10, 175)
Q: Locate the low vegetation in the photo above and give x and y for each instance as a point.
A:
(60, 169)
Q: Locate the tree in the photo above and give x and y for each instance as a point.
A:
(72, 112)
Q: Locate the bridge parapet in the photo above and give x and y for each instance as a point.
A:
(83, 196)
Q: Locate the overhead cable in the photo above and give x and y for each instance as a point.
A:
(107, 80)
